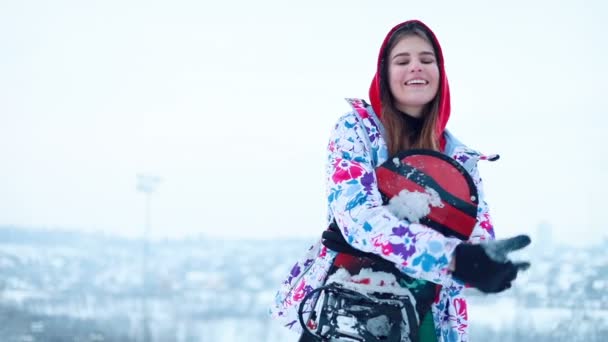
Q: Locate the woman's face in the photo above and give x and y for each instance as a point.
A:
(413, 74)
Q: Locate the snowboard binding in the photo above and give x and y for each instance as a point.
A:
(345, 314)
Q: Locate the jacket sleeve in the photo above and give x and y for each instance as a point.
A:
(483, 230)
(356, 204)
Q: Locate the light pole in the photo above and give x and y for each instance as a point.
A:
(147, 185)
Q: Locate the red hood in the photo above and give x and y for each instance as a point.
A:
(444, 90)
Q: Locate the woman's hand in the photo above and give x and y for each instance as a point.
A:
(486, 266)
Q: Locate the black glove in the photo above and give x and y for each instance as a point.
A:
(486, 267)
(333, 239)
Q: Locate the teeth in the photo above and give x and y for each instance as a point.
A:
(416, 82)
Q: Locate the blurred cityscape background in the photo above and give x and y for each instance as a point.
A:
(74, 286)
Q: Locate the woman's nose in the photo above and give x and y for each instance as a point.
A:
(415, 66)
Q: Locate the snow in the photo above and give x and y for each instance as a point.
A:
(503, 313)
(201, 293)
(378, 282)
(599, 284)
(20, 296)
(347, 324)
(378, 326)
(414, 205)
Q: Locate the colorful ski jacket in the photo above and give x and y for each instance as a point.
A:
(355, 149)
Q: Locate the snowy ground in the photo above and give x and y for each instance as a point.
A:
(80, 288)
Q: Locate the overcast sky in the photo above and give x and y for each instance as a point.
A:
(231, 104)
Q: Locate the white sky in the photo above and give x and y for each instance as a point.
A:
(231, 103)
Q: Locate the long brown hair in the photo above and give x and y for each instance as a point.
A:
(402, 131)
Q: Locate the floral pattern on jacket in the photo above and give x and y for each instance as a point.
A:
(356, 204)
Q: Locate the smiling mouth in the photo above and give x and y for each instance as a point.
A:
(417, 82)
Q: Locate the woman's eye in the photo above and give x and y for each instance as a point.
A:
(428, 61)
(402, 62)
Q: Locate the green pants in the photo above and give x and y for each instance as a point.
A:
(427, 329)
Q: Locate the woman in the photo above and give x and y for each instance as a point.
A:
(410, 107)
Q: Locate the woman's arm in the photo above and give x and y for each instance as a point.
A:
(483, 230)
(366, 224)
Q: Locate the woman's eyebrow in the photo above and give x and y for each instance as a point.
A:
(407, 54)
